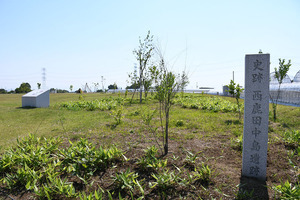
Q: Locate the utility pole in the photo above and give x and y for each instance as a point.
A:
(233, 76)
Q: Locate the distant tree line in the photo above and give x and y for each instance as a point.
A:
(24, 88)
(53, 90)
(3, 91)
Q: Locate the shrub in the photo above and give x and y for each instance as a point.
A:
(149, 161)
(190, 159)
(292, 138)
(287, 191)
(165, 180)
(214, 104)
(83, 159)
(118, 114)
(103, 104)
(202, 174)
(127, 181)
(179, 123)
(237, 143)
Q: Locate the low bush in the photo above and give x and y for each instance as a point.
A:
(287, 191)
(150, 161)
(41, 166)
(102, 104)
(127, 182)
(83, 159)
(214, 104)
(292, 138)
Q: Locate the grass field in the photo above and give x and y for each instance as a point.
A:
(212, 133)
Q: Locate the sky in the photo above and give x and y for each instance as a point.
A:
(78, 42)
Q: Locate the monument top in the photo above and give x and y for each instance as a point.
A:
(35, 93)
(257, 54)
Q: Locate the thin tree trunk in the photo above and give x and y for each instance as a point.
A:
(274, 112)
(161, 122)
(141, 94)
(141, 91)
(275, 105)
(167, 132)
(132, 96)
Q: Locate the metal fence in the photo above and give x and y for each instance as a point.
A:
(288, 97)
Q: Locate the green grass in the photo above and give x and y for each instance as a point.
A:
(17, 122)
(53, 121)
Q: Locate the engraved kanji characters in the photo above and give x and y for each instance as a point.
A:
(257, 95)
(255, 146)
(254, 158)
(256, 132)
(254, 170)
(257, 77)
(257, 65)
(256, 109)
(256, 120)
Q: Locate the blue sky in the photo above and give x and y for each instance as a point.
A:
(80, 41)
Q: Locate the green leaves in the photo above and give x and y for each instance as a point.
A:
(97, 195)
(149, 161)
(103, 104)
(125, 181)
(281, 73)
(147, 116)
(165, 180)
(287, 191)
(292, 137)
(202, 174)
(292, 140)
(41, 166)
(83, 159)
(236, 91)
(214, 104)
(117, 114)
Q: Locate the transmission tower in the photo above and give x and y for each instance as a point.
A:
(87, 88)
(44, 77)
(103, 82)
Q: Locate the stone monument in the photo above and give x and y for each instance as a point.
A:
(36, 99)
(256, 116)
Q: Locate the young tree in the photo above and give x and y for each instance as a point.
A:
(280, 74)
(134, 83)
(115, 86)
(235, 91)
(143, 55)
(147, 82)
(184, 81)
(166, 87)
(71, 88)
(39, 85)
